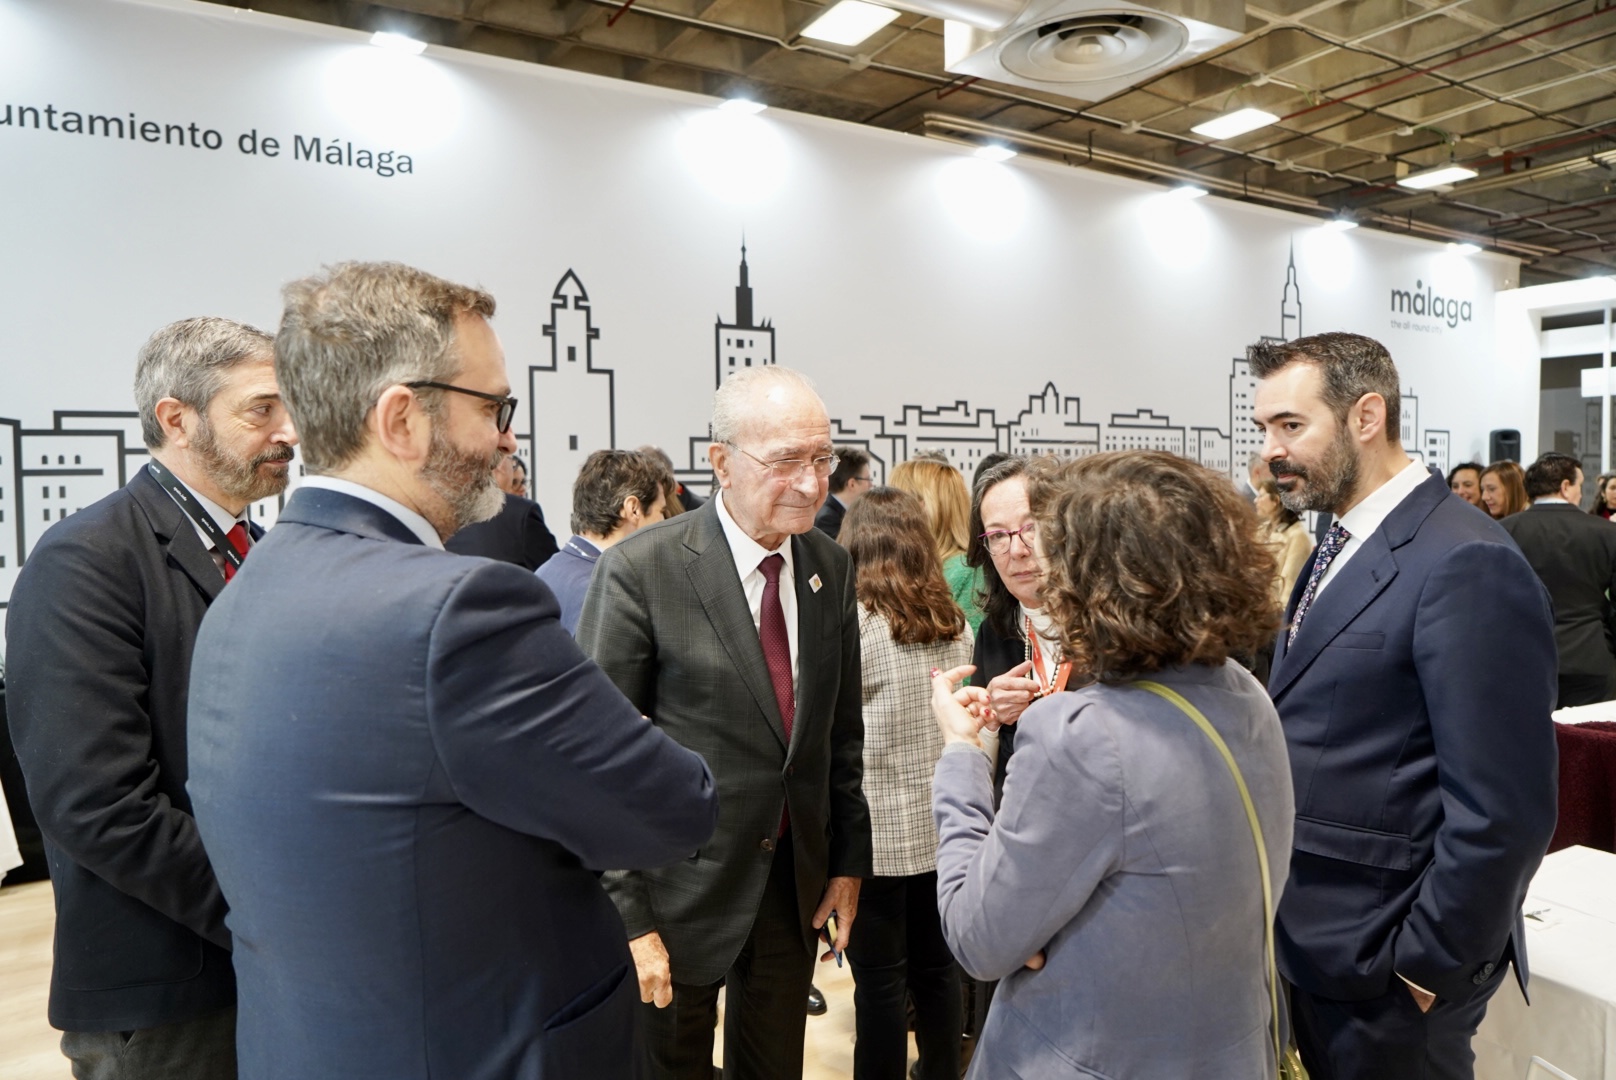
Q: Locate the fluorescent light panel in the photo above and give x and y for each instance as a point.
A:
(1430, 178)
(1238, 122)
(849, 23)
(386, 39)
(995, 152)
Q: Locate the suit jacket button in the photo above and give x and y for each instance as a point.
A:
(768, 844)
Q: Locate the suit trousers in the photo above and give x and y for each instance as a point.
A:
(199, 1049)
(1387, 1037)
(765, 999)
(897, 949)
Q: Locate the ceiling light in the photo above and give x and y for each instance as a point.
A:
(1430, 178)
(744, 106)
(1340, 224)
(849, 22)
(1238, 122)
(1465, 248)
(994, 152)
(386, 39)
(1187, 191)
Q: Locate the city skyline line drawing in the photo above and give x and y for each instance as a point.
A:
(572, 406)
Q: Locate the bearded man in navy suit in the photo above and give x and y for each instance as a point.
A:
(403, 767)
(1414, 677)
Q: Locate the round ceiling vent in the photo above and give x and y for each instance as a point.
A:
(1094, 46)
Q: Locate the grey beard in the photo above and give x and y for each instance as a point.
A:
(465, 483)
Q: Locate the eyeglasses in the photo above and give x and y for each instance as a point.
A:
(788, 469)
(998, 540)
(507, 405)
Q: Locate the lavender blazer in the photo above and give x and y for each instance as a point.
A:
(1121, 851)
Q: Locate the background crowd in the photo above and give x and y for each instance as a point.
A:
(1101, 761)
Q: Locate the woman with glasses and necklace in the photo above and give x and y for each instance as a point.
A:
(1017, 654)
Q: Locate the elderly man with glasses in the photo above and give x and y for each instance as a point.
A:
(735, 628)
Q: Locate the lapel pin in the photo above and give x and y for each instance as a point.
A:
(815, 584)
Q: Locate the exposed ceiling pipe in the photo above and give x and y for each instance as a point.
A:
(1075, 153)
(1607, 159)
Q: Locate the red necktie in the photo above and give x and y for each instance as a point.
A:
(777, 653)
(238, 540)
(776, 644)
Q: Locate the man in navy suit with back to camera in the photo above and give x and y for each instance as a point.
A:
(102, 625)
(1414, 676)
(406, 772)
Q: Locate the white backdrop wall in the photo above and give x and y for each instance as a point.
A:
(938, 301)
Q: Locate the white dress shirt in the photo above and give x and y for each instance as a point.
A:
(748, 554)
(412, 521)
(1362, 520)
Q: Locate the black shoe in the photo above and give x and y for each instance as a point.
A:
(816, 1002)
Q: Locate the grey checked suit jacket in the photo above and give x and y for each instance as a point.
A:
(667, 620)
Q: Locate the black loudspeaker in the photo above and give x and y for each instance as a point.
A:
(1504, 445)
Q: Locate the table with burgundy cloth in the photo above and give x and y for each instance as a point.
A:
(1587, 781)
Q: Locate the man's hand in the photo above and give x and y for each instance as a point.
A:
(841, 896)
(1421, 998)
(651, 963)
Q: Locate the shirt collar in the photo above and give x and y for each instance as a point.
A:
(1362, 520)
(412, 521)
(1550, 499)
(748, 552)
(585, 548)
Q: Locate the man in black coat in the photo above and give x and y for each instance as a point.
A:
(517, 534)
(848, 482)
(1575, 555)
(99, 637)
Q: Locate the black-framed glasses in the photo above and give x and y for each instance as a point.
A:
(997, 541)
(791, 468)
(507, 405)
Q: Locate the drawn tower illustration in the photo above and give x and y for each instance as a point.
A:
(745, 342)
(1244, 438)
(571, 401)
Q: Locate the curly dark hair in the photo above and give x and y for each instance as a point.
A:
(1151, 561)
(897, 570)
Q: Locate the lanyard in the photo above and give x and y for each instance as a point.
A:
(1063, 670)
(195, 511)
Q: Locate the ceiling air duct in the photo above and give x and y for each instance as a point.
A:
(1083, 49)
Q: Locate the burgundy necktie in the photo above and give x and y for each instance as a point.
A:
(776, 644)
(238, 540)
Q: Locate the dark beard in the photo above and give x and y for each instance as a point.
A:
(465, 483)
(238, 477)
(1329, 480)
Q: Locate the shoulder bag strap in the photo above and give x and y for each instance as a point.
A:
(1211, 733)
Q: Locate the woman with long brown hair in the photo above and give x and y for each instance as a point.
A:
(1503, 489)
(909, 626)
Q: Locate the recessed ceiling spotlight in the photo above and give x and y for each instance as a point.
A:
(1438, 177)
(386, 39)
(1465, 248)
(850, 22)
(744, 106)
(1238, 122)
(1340, 223)
(995, 152)
(1186, 191)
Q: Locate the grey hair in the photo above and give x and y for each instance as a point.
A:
(1352, 366)
(188, 361)
(355, 329)
(731, 414)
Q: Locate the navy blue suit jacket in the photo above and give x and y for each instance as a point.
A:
(1416, 702)
(404, 771)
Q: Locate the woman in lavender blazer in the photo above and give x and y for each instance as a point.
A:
(1116, 892)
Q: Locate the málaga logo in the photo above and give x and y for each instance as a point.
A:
(1425, 301)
